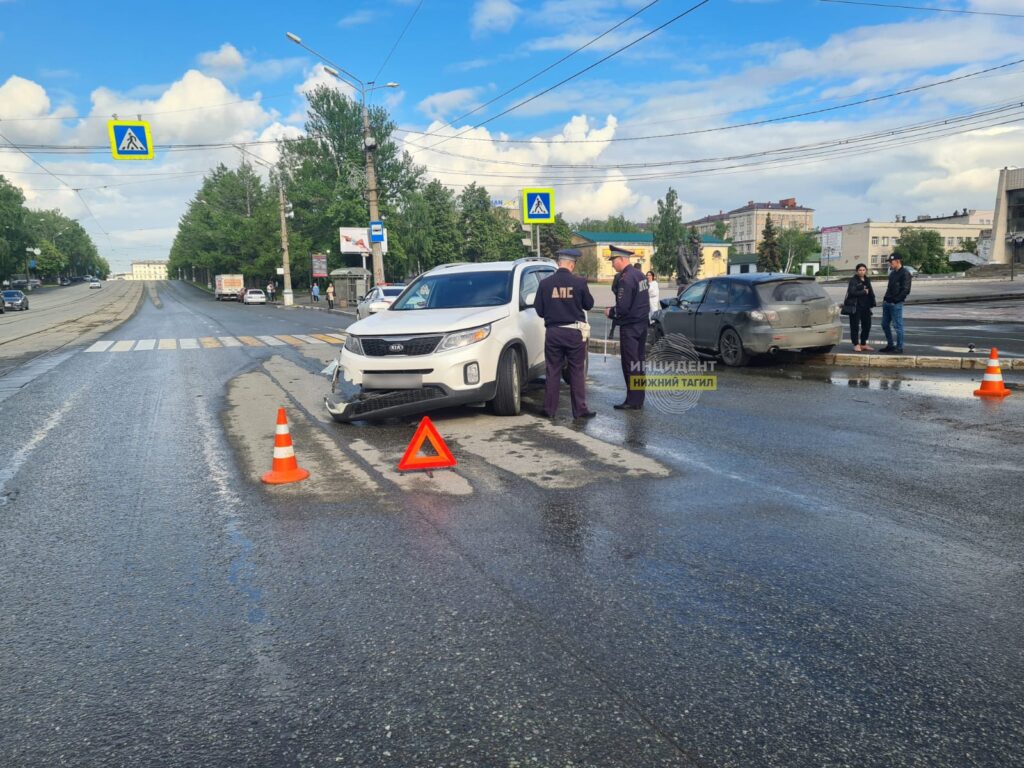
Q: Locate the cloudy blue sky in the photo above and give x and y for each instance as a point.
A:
(611, 140)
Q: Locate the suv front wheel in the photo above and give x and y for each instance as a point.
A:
(507, 397)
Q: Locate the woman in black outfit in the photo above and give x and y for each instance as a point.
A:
(860, 296)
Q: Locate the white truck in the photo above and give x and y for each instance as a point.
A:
(229, 287)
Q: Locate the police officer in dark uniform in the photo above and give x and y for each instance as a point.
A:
(631, 313)
(563, 300)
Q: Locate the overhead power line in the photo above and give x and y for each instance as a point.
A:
(546, 69)
(925, 8)
(398, 41)
(732, 126)
(583, 71)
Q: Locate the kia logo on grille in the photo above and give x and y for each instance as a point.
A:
(396, 348)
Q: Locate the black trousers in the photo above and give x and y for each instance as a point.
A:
(860, 320)
(565, 345)
(632, 349)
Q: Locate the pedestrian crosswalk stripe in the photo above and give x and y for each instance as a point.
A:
(218, 342)
(329, 338)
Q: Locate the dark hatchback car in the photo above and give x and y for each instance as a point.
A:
(15, 300)
(736, 316)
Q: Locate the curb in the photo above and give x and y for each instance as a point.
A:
(317, 309)
(866, 361)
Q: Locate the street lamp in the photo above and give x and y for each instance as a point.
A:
(369, 144)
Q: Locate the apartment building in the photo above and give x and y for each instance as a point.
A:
(149, 270)
(745, 224)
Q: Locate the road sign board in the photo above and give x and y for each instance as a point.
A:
(130, 139)
(376, 231)
(538, 206)
(357, 240)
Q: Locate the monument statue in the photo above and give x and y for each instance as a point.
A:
(688, 260)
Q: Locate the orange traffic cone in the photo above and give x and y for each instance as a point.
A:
(285, 468)
(992, 383)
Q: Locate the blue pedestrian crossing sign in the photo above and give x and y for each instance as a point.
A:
(538, 206)
(130, 139)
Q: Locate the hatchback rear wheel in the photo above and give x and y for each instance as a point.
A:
(730, 347)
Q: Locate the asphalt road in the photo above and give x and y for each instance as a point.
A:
(804, 569)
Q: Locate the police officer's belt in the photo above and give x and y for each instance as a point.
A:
(581, 326)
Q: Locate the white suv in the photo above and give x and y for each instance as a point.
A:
(458, 334)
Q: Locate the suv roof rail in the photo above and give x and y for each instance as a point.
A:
(525, 259)
(449, 264)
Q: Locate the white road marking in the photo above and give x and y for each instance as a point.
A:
(100, 346)
(229, 341)
(271, 341)
(188, 343)
(308, 339)
(145, 344)
(21, 455)
(122, 346)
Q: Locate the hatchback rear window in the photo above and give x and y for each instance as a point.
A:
(790, 292)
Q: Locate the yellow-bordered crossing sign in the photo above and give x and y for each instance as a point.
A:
(538, 206)
(130, 139)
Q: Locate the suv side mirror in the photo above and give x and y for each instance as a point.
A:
(673, 302)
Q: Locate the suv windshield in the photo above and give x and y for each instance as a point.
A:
(790, 292)
(457, 291)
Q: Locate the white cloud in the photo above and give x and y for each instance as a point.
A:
(319, 76)
(356, 19)
(438, 105)
(226, 62)
(494, 16)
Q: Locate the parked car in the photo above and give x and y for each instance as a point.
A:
(378, 299)
(254, 296)
(736, 316)
(15, 300)
(94, 283)
(458, 334)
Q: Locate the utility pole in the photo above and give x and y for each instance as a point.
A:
(287, 293)
(369, 147)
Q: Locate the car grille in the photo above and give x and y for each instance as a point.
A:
(419, 345)
(374, 403)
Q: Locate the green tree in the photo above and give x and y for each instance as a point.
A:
(488, 234)
(13, 230)
(721, 230)
(554, 237)
(669, 233)
(969, 245)
(615, 223)
(769, 253)
(427, 228)
(797, 246)
(923, 249)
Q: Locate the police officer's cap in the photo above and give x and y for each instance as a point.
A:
(568, 254)
(618, 252)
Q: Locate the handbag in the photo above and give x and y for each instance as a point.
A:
(848, 309)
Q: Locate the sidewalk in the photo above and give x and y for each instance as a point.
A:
(302, 300)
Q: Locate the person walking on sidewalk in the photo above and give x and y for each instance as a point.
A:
(316, 292)
(860, 298)
(892, 304)
(330, 295)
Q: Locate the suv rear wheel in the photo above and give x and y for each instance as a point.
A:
(730, 347)
(507, 397)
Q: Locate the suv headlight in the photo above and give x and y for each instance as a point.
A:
(464, 338)
(352, 344)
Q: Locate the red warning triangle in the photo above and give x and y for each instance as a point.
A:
(426, 431)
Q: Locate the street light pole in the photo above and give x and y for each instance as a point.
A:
(369, 145)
